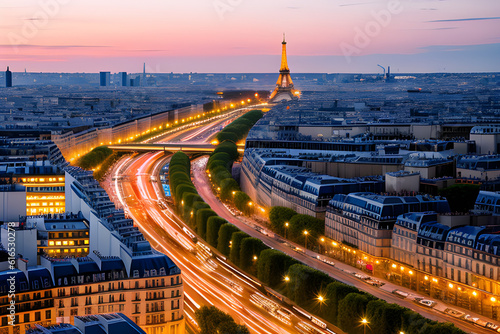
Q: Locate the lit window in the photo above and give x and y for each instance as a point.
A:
(65, 243)
(58, 243)
(61, 179)
(66, 250)
(79, 250)
(72, 250)
(51, 243)
(86, 242)
(85, 249)
(41, 179)
(71, 243)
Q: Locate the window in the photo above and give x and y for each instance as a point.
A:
(48, 314)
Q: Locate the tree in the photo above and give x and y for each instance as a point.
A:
(184, 188)
(226, 135)
(351, 311)
(461, 197)
(232, 328)
(376, 311)
(243, 202)
(177, 179)
(272, 266)
(278, 215)
(201, 221)
(180, 158)
(249, 252)
(227, 186)
(220, 159)
(94, 158)
(234, 254)
(305, 284)
(219, 174)
(213, 321)
(229, 148)
(225, 233)
(334, 293)
(300, 223)
(213, 225)
(188, 199)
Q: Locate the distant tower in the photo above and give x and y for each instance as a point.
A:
(8, 78)
(388, 73)
(123, 78)
(284, 86)
(105, 79)
(143, 82)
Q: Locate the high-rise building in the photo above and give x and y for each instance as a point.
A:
(123, 78)
(284, 86)
(8, 78)
(143, 81)
(135, 82)
(105, 79)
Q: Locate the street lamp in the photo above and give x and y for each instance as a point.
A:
(321, 299)
(286, 228)
(305, 242)
(364, 322)
(287, 279)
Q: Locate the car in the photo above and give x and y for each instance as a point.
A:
(469, 318)
(454, 313)
(426, 302)
(492, 326)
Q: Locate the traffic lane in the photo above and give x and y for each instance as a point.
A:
(204, 189)
(188, 263)
(194, 128)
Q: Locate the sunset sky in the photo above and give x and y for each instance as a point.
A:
(245, 35)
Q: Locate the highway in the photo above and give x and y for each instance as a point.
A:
(211, 281)
(207, 280)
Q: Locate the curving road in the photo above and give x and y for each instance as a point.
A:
(207, 280)
(210, 281)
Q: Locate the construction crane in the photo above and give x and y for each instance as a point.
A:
(382, 67)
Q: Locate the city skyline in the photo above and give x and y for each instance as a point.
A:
(241, 37)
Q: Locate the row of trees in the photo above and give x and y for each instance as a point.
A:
(221, 161)
(315, 291)
(100, 159)
(239, 128)
(296, 227)
(242, 250)
(94, 158)
(338, 303)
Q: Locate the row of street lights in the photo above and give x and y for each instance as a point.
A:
(321, 299)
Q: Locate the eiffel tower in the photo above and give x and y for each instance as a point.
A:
(284, 86)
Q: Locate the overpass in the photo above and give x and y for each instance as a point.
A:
(169, 147)
(166, 147)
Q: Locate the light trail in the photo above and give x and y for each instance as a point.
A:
(202, 287)
(205, 282)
